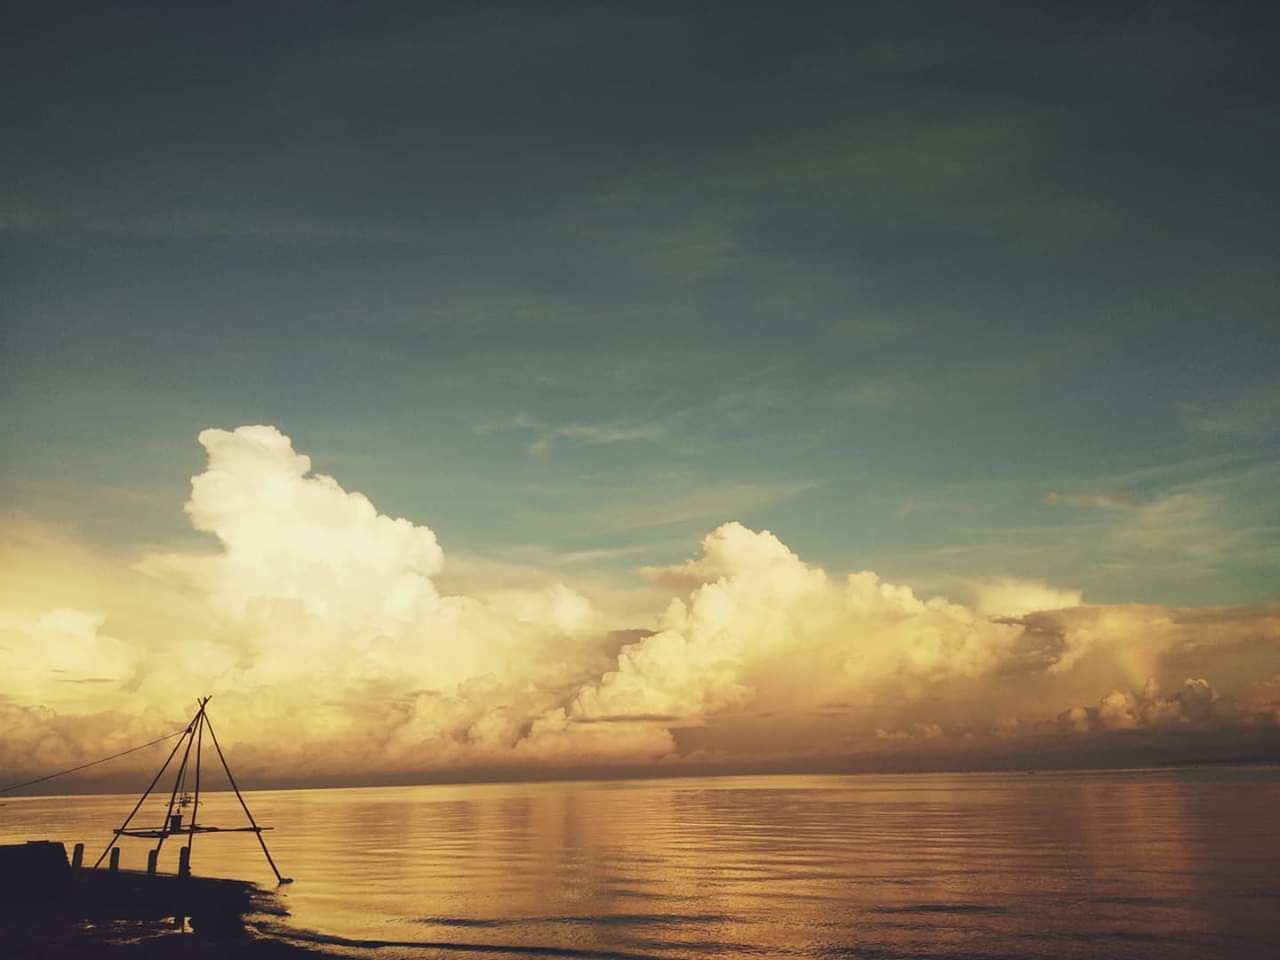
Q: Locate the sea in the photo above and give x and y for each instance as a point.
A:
(1178, 863)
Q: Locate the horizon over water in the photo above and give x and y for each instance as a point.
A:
(1135, 863)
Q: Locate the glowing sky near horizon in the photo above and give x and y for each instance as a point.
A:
(639, 386)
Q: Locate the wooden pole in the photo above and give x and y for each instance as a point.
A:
(257, 830)
(146, 793)
(181, 776)
(195, 806)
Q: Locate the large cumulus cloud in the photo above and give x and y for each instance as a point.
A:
(760, 625)
(318, 625)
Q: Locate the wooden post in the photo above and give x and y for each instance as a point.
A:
(114, 864)
(184, 862)
(77, 858)
(152, 857)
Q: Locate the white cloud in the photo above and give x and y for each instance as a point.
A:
(547, 435)
(287, 536)
(1089, 501)
(761, 624)
(1196, 704)
(319, 625)
(59, 656)
(1012, 597)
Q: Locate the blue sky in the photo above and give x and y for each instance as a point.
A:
(702, 354)
(577, 288)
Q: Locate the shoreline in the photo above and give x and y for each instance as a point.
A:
(49, 910)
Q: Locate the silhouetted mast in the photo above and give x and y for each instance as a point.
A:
(193, 735)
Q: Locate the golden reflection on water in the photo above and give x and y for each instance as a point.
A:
(1168, 863)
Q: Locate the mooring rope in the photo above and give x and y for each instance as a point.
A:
(93, 763)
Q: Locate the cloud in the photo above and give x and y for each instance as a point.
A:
(1262, 701)
(1013, 597)
(36, 740)
(1189, 529)
(1195, 705)
(594, 435)
(918, 731)
(1132, 640)
(1251, 412)
(320, 627)
(761, 625)
(690, 502)
(1089, 501)
(876, 394)
(546, 435)
(45, 655)
(292, 538)
(329, 630)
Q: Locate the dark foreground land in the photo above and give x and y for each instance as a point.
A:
(46, 911)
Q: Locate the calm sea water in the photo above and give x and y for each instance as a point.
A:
(1168, 864)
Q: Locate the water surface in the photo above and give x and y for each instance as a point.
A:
(1169, 864)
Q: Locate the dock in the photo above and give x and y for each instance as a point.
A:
(49, 909)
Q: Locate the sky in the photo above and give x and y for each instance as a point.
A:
(459, 390)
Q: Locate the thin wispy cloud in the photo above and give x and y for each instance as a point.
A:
(1089, 501)
(593, 434)
(701, 502)
(1252, 412)
(547, 434)
(878, 394)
